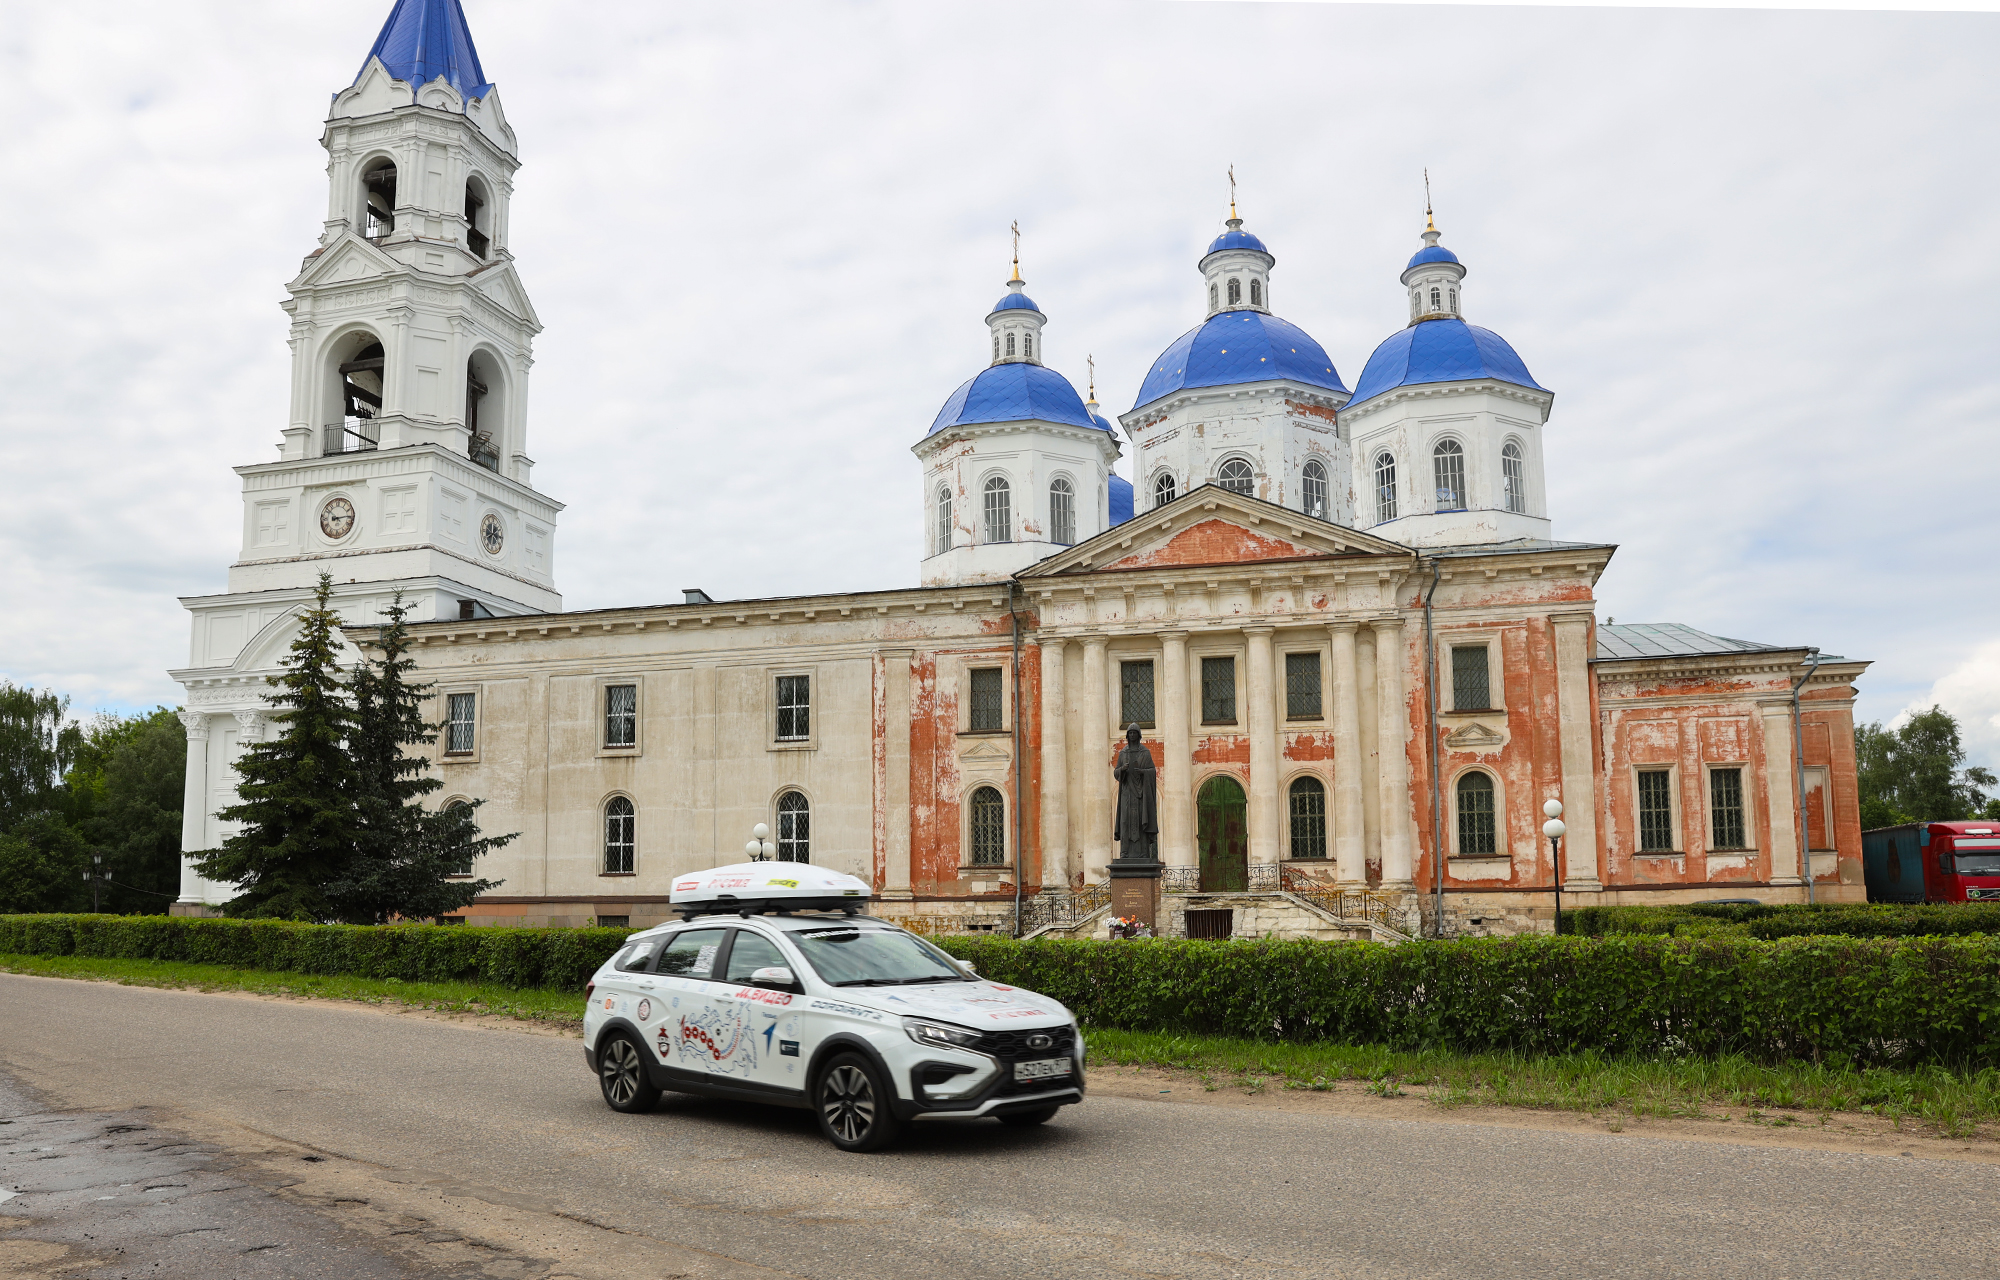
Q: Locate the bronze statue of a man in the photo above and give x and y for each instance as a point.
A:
(1136, 826)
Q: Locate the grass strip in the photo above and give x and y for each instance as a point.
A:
(529, 1004)
(1954, 1103)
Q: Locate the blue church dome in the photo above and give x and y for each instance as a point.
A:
(1017, 302)
(1015, 392)
(1447, 350)
(1431, 253)
(1121, 499)
(425, 39)
(1239, 346)
(1236, 238)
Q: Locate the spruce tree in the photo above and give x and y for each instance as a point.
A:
(299, 823)
(405, 852)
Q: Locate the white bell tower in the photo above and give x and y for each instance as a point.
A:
(404, 463)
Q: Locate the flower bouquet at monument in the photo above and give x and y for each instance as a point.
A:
(1129, 927)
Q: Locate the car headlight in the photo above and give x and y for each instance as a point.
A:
(938, 1036)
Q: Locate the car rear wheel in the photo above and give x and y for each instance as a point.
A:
(853, 1101)
(1029, 1119)
(621, 1074)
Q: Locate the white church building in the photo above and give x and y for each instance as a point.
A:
(1338, 617)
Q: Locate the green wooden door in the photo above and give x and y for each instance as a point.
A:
(1223, 836)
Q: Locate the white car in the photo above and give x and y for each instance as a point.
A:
(863, 1022)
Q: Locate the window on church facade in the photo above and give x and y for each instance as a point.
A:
(1656, 811)
(1235, 291)
(1448, 473)
(378, 199)
(1437, 303)
(1454, 302)
(999, 511)
(1308, 815)
(621, 715)
(989, 828)
(794, 708)
(1211, 298)
(1256, 293)
(1010, 346)
(996, 347)
(985, 715)
(1163, 489)
(475, 232)
(620, 837)
(480, 442)
(1385, 487)
(1135, 694)
(1511, 478)
(1302, 701)
(1470, 690)
(941, 539)
(1062, 512)
(461, 724)
(1028, 346)
(794, 828)
(1478, 830)
(1314, 486)
(1725, 809)
(1237, 477)
(1218, 691)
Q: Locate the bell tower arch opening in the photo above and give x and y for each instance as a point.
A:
(378, 199)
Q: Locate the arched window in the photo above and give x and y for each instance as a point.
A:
(620, 827)
(1237, 477)
(941, 537)
(996, 346)
(1448, 470)
(1315, 489)
(1454, 302)
(1062, 512)
(1163, 489)
(1028, 346)
(989, 828)
(1385, 487)
(378, 199)
(1308, 806)
(476, 220)
(794, 828)
(1437, 303)
(999, 511)
(1211, 297)
(1256, 292)
(1235, 291)
(1477, 830)
(1010, 346)
(1511, 478)
(481, 443)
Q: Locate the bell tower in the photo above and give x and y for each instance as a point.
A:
(403, 464)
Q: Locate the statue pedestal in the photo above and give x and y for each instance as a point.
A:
(1135, 892)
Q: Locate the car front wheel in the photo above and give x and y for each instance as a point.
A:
(621, 1073)
(853, 1101)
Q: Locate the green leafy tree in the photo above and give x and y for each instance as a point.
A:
(126, 788)
(1917, 773)
(407, 854)
(42, 863)
(36, 745)
(300, 825)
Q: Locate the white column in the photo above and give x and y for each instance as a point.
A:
(1261, 692)
(1170, 687)
(194, 804)
(1577, 725)
(1096, 765)
(1349, 850)
(896, 774)
(1370, 757)
(1053, 767)
(1778, 785)
(1392, 736)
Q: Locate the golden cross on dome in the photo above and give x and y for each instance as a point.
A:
(1232, 190)
(1430, 224)
(1016, 229)
(1092, 362)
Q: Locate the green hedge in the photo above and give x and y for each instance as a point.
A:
(1861, 1000)
(560, 958)
(1789, 920)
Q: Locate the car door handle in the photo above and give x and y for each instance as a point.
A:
(645, 986)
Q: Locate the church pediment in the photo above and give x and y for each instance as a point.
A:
(351, 258)
(373, 92)
(503, 289)
(1212, 526)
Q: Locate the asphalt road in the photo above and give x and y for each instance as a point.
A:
(473, 1151)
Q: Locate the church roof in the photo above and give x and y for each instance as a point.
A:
(1432, 253)
(1672, 640)
(425, 39)
(1121, 499)
(1236, 238)
(1239, 346)
(1017, 302)
(1018, 391)
(1444, 350)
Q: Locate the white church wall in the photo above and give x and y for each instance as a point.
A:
(1482, 418)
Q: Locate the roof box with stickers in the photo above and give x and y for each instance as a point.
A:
(767, 886)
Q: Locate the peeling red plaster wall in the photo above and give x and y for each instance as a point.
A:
(1214, 542)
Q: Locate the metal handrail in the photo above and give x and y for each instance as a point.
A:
(1062, 906)
(1346, 903)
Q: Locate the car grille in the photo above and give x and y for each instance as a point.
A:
(1012, 1046)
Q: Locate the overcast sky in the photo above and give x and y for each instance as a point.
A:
(1753, 253)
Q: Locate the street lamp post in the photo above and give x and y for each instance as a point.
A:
(96, 877)
(760, 847)
(1555, 830)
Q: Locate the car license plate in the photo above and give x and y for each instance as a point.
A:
(1041, 1069)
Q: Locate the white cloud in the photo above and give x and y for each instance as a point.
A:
(1754, 254)
(1971, 692)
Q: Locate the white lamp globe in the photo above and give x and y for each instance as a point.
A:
(1553, 809)
(755, 849)
(761, 831)
(1554, 828)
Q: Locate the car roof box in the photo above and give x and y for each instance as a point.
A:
(748, 888)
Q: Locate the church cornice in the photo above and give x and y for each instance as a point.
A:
(349, 468)
(1147, 415)
(415, 120)
(1542, 400)
(1091, 437)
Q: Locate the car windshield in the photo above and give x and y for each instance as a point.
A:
(851, 956)
(1977, 864)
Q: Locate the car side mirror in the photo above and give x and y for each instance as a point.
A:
(965, 967)
(777, 976)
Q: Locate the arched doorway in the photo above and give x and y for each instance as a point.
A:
(1222, 834)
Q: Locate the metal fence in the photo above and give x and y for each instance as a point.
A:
(1062, 907)
(1347, 903)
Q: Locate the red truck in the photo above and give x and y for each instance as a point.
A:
(1933, 862)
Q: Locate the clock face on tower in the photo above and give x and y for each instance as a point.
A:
(336, 518)
(492, 534)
